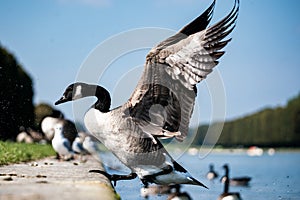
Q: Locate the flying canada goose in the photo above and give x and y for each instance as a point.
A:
(226, 195)
(162, 103)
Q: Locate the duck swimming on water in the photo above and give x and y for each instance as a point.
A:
(162, 103)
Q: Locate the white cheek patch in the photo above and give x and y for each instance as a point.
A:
(78, 93)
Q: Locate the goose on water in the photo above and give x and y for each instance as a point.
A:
(211, 174)
(226, 195)
(156, 190)
(178, 195)
(236, 181)
(162, 103)
(173, 192)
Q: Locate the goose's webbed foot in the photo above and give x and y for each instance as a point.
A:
(115, 177)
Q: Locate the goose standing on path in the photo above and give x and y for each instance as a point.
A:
(226, 195)
(162, 103)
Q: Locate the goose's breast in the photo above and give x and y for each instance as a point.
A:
(107, 127)
(122, 136)
(94, 121)
(102, 125)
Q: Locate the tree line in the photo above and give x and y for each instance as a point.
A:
(276, 127)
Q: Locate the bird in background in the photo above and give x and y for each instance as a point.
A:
(226, 195)
(162, 103)
(91, 145)
(77, 146)
(24, 136)
(78, 149)
(60, 144)
(49, 122)
(236, 181)
(211, 174)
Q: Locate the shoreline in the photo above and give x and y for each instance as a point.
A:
(52, 179)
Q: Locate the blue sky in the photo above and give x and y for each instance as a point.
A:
(52, 38)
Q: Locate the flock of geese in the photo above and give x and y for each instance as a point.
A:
(227, 181)
(161, 105)
(174, 191)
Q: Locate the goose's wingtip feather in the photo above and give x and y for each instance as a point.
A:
(200, 23)
(196, 182)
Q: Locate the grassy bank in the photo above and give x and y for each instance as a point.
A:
(11, 152)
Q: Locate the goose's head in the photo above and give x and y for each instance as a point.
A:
(226, 167)
(80, 90)
(75, 91)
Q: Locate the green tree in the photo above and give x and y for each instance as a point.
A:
(16, 95)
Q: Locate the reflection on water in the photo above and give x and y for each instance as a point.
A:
(273, 177)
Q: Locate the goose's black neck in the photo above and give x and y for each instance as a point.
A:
(103, 97)
(104, 100)
(226, 184)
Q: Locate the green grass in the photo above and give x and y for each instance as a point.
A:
(11, 152)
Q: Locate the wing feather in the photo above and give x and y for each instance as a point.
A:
(163, 101)
(199, 24)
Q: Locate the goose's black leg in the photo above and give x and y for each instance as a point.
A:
(115, 177)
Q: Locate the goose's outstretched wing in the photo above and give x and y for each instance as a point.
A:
(163, 101)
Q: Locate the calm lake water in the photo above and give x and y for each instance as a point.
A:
(273, 177)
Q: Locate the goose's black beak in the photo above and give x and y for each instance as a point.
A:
(61, 100)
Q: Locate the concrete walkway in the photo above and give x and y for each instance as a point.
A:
(53, 179)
